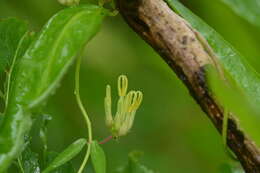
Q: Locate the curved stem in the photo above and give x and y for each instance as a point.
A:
(20, 165)
(84, 112)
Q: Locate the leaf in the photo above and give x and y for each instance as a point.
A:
(65, 156)
(133, 165)
(30, 161)
(24, 43)
(248, 9)
(48, 58)
(233, 100)
(45, 119)
(98, 158)
(243, 75)
(38, 72)
(230, 168)
(23, 123)
(65, 168)
(11, 32)
(20, 118)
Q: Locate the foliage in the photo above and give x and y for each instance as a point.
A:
(98, 158)
(37, 72)
(249, 9)
(65, 168)
(66, 155)
(11, 32)
(134, 165)
(34, 65)
(30, 161)
(242, 75)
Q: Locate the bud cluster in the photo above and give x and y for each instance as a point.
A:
(127, 105)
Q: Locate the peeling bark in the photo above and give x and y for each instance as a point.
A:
(173, 38)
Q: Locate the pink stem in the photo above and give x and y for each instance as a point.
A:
(107, 139)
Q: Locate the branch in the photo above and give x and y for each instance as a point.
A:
(177, 43)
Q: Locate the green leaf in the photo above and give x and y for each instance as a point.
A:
(11, 32)
(23, 45)
(230, 168)
(248, 9)
(30, 162)
(45, 119)
(13, 141)
(56, 47)
(233, 101)
(243, 75)
(39, 71)
(10, 148)
(134, 165)
(65, 168)
(98, 158)
(40, 127)
(66, 155)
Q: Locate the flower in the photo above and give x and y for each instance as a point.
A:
(127, 105)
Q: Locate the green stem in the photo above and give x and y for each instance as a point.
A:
(84, 112)
(20, 165)
(224, 127)
(224, 135)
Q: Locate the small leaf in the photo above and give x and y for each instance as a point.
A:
(11, 32)
(65, 168)
(133, 165)
(30, 161)
(98, 158)
(65, 156)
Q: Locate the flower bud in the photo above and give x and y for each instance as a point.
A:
(122, 85)
(69, 2)
(127, 105)
(107, 103)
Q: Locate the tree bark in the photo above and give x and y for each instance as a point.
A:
(173, 38)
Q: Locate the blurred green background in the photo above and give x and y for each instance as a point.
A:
(171, 130)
